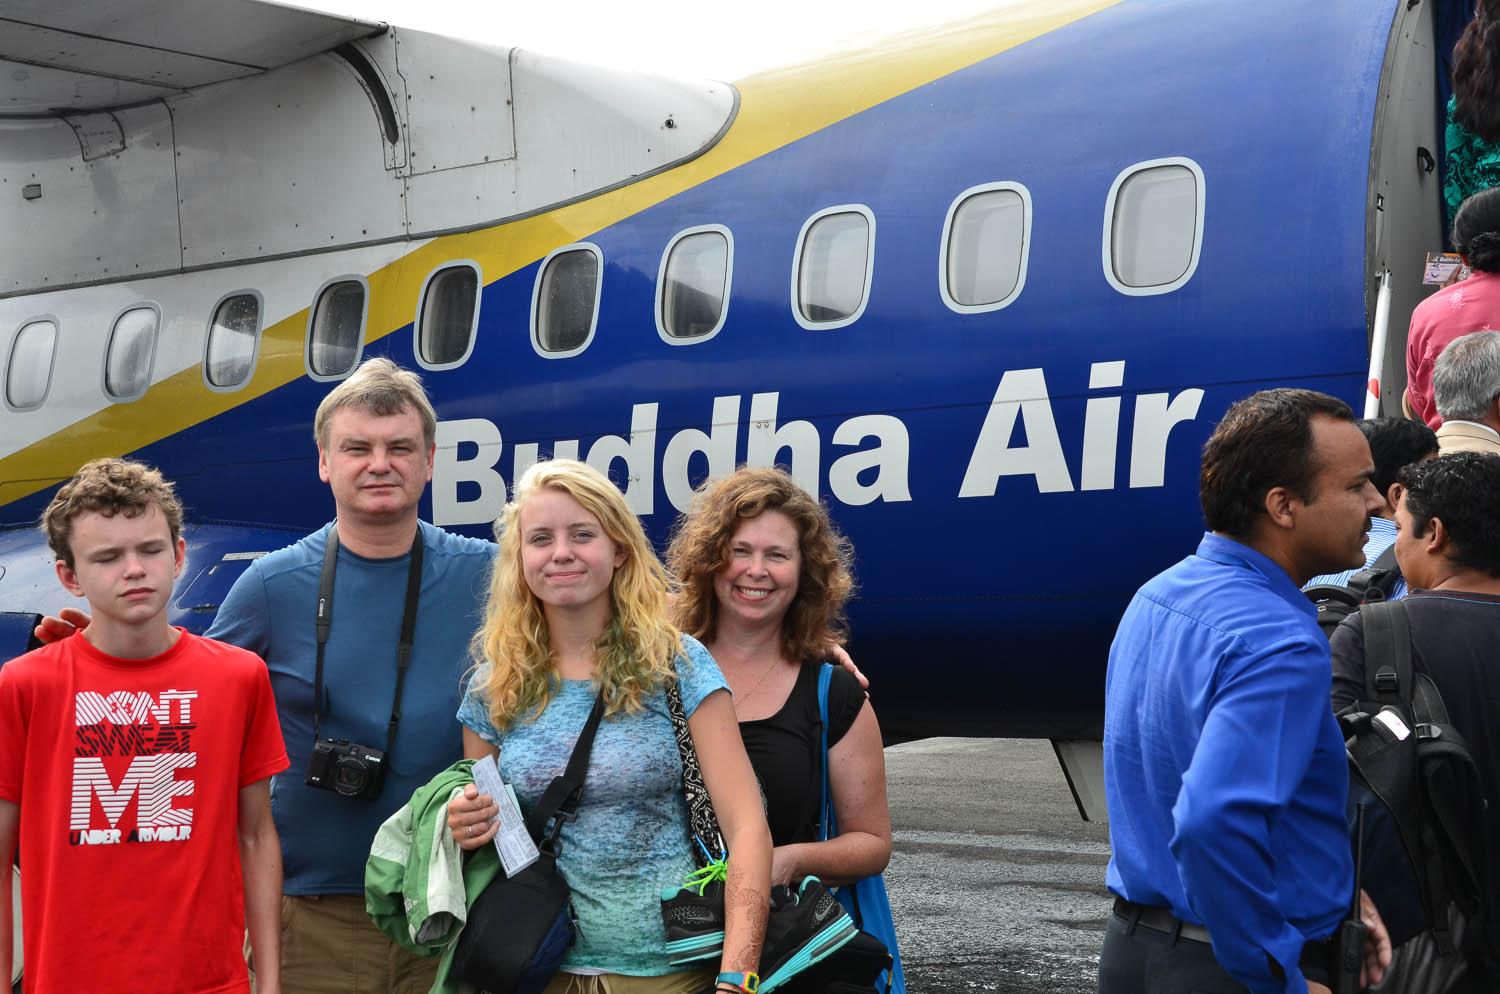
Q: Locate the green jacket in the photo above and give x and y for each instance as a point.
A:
(418, 885)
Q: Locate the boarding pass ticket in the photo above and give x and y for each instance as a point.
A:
(512, 841)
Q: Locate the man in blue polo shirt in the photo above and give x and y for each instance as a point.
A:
(375, 433)
(1224, 767)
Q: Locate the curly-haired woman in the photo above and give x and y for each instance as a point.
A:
(765, 577)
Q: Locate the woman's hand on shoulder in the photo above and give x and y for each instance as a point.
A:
(839, 656)
(469, 818)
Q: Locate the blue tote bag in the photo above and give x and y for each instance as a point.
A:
(865, 900)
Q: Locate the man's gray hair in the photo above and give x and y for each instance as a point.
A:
(1466, 378)
(378, 387)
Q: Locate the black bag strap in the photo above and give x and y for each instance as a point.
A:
(1388, 679)
(408, 627)
(702, 821)
(561, 798)
(1385, 764)
(1345, 595)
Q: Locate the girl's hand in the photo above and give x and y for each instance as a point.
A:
(473, 818)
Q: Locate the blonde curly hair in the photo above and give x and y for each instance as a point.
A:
(512, 652)
(700, 550)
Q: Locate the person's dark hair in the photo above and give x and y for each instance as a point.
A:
(1476, 230)
(1394, 443)
(1476, 74)
(1459, 489)
(1262, 442)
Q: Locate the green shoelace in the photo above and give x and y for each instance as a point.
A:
(716, 870)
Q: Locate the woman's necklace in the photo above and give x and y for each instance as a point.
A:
(756, 685)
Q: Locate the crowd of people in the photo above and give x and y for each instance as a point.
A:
(1347, 591)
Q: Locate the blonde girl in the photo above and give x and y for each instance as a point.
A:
(578, 606)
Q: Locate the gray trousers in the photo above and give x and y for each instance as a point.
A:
(1142, 960)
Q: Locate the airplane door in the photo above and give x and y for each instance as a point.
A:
(1404, 214)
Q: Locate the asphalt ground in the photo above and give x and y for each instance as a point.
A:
(996, 883)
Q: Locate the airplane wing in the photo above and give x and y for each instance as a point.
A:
(70, 56)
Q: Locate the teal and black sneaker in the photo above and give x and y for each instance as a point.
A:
(694, 917)
(805, 926)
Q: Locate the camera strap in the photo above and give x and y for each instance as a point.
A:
(408, 626)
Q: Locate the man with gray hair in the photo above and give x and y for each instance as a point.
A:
(1465, 386)
(383, 677)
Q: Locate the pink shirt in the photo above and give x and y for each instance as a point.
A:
(1465, 307)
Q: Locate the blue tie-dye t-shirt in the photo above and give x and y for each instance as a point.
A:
(631, 836)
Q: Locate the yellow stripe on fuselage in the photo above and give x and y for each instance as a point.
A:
(775, 110)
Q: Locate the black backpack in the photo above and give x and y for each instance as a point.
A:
(1336, 601)
(1424, 837)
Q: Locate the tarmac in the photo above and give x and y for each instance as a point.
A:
(996, 883)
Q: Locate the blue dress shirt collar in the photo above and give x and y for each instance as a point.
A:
(1222, 549)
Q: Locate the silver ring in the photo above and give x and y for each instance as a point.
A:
(471, 830)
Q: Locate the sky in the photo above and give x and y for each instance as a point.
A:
(702, 38)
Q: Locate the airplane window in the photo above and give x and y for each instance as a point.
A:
(834, 259)
(29, 371)
(694, 285)
(446, 318)
(985, 247)
(231, 340)
(1155, 226)
(127, 362)
(338, 319)
(566, 304)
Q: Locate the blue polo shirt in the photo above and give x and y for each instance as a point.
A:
(1224, 770)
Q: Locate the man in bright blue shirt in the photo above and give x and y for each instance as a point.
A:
(1394, 443)
(1224, 767)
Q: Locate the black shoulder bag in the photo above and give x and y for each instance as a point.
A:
(519, 928)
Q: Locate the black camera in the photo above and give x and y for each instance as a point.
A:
(346, 768)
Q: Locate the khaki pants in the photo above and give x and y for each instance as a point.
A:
(687, 982)
(330, 946)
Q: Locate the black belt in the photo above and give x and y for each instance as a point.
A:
(1317, 954)
(1160, 920)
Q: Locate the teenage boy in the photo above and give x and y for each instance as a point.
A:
(134, 769)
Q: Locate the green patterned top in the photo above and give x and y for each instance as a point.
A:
(1473, 164)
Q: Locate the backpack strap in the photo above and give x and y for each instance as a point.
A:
(1387, 654)
(1384, 762)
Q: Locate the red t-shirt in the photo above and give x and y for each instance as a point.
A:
(127, 773)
